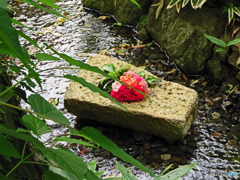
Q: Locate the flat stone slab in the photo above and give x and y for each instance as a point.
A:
(169, 115)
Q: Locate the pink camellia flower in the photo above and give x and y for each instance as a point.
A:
(144, 86)
(128, 80)
(139, 78)
(130, 74)
(116, 85)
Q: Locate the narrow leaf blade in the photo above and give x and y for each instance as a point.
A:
(70, 140)
(45, 57)
(215, 40)
(107, 144)
(126, 173)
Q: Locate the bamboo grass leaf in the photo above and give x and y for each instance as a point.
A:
(126, 173)
(71, 141)
(235, 41)
(107, 144)
(237, 11)
(184, 3)
(94, 88)
(215, 40)
(172, 3)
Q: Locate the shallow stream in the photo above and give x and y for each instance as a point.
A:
(213, 140)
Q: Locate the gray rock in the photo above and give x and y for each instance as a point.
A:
(169, 115)
(182, 34)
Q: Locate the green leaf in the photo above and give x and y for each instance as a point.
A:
(108, 68)
(194, 3)
(91, 176)
(2, 177)
(215, 40)
(3, 4)
(184, 3)
(107, 144)
(220, 49)
(7, 149)
(167, 168)
(66, 174)
(20, 24)
(24, 137)
(30, 83)
(41, 106)
(45, 57)
(92, 165)
(21, 130)
(66, 160)
(7, 33)
(30, 40)
(118, 24)
(80, 64)
(236, 10)
(200, 3)
(235, 41)
(36, 125)
(172, 3)
(52, 11)
(94, 88)
(70, 140)
(126, 173)
(230, 14)
(49, 175)
(49, 3)
(177, 173)
(1, 167)
(135, 2)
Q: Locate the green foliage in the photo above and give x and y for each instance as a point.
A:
(219, 42)
(143, 20)
(107, 144)
(126, 173)
(62, 163)
(231, 10)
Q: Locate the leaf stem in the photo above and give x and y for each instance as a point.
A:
(24, 147)
(20, 162)
(13, 86)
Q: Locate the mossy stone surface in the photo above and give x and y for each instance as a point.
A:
(169, 115)
(125, 11)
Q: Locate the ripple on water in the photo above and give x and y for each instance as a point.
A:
(85, 34)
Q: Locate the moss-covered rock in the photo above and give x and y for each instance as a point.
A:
(169, 115)
(182, 34)
(125, 11)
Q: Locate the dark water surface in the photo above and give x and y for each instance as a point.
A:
(212, 140)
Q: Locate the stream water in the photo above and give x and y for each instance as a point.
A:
(213, 140)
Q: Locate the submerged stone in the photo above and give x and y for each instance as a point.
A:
(169, 115)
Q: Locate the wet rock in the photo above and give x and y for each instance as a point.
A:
(125, 11)
(233, 142)
(225, 85)
(153, 57)
(164, 149)
(216, 71)
(169, 115)
(143, 35)
(157, 144)
(181, 34)
(166, 157)
(141, 137)
(238, 76)
(215, 116)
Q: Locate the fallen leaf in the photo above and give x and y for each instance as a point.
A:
(184, 77)
(216, 135)
(103, 17)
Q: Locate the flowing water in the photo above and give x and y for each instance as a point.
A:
(212, 140)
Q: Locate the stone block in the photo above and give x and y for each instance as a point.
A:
(169, 115)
